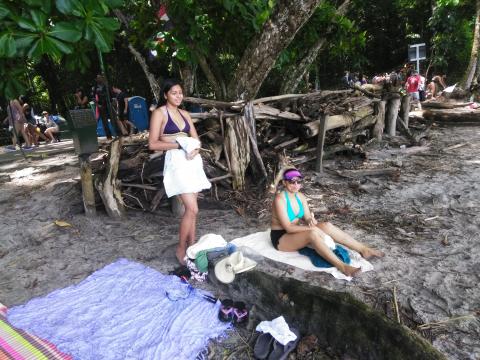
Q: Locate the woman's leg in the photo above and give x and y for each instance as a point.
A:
(315, 238)
(343, 238)
(21, 129)
(187, 224)
(49, 134)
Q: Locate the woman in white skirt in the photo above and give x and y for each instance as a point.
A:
(172, 130)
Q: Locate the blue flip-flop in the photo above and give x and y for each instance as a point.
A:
(280, 352)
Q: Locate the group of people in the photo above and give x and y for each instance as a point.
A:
(23, 122)
(120, 106)
(293, 225)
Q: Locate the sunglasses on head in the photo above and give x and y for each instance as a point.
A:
(295, 181)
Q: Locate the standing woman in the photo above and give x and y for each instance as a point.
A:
(17, 121)
(172, 130)
(294, 227)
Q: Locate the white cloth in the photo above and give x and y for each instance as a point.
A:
(188, 144)
(182, 176)
(208, 241)
(279, 330)
(261, 243)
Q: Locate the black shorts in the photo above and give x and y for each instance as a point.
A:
(122, 116)
(275, 236)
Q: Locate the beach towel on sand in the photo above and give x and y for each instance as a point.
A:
(123, 311)
(261, 243)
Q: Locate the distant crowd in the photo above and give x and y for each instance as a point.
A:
(414, 83)
(25, 126)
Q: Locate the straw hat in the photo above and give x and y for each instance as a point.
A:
(227, 268)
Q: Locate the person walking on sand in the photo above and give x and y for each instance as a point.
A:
(172, 130)
(294, 227)
(17, 120)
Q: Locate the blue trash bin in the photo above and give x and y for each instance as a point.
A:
(138, 112)
(101, 130)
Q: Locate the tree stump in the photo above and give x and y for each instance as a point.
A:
(108, 186)
(238, 149)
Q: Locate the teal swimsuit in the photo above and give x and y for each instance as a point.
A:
(275, 235)
(291, 215)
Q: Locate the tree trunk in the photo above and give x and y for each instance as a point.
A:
(238, 149)
(296, 71)
(152, 81)
(187, 74)
(262, 52)
(393, 106)
(472, 68)
(380, 124)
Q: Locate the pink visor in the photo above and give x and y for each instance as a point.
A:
(291, 174)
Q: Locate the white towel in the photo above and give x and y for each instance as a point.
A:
(279, 330)
(182, 176)
(188, 144)
(261, 243)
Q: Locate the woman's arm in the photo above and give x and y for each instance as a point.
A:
(280, 209)
(156, 130)
(307, 214)
(126, 105)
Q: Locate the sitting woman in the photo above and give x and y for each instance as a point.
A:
(52, 127)
(289, 234)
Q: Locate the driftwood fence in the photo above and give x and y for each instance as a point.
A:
(242, 141)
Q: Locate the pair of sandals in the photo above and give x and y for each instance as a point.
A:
(235, 312)
(268, 348)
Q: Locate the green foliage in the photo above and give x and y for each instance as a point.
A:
(36, 28)
(452, 23)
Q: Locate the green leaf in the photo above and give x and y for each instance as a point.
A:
(4, 11)
(59, 45)
(8, 48)
(26, 24)
(24, 40)
(109, 23)
(39, 18)
(66, 32)
(69, 7)
(101, 40)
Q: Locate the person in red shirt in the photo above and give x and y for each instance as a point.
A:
(412, 84)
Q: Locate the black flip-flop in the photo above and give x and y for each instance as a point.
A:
(280, 352)
(263, 346)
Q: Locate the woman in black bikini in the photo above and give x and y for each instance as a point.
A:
(294, 226)
(166, 124)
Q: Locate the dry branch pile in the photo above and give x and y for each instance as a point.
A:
(240, 141)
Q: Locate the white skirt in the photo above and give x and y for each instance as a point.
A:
(183, 176)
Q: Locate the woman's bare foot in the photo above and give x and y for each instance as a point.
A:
(180, 254)
(369, 253)
(350, 270)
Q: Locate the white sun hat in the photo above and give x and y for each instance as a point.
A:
(208, 241)
(236, 263)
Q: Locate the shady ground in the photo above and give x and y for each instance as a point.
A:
(426, 219)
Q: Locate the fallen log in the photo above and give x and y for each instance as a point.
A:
(368, 172)
(444, 105)
(268, 112)
(453, 116)
(335, 121)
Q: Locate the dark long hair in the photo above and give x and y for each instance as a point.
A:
(167, 85)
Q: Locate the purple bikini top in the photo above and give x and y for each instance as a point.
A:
(171, 128)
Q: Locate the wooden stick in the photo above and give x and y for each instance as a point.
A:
(286, 143)
(88, 193)
(321, 143)
(218, 178)
(139, 186)
(396, 304)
